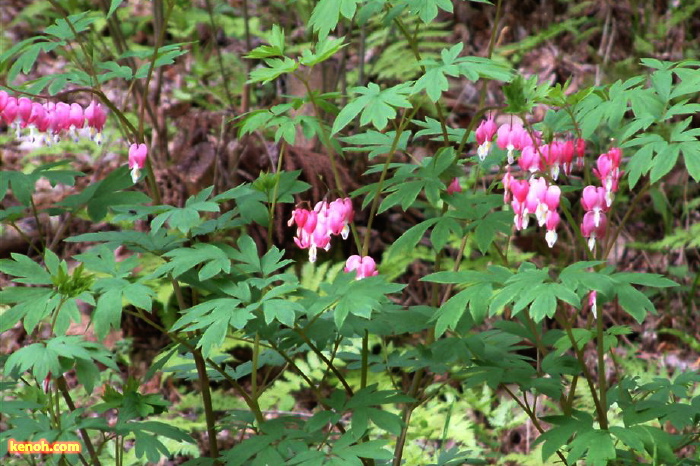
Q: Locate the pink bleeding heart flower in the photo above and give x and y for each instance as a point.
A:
(340, 215)
(484, 136)
(9, 112)
(579, 151)
(552, 222)
(593, 200)
(510, 138)
(363, 266)
(529, 159)
(608, 172)
(38, 119)
(4, 96)
(615, 155)
(454, 187)
(61, 119)
(552, 197)
(593, 228)
(76, 116)
(76, 120)
(604, 167)
(96, 118)
(592, 303)
(507, 180)
(137, 159)
(302, 239)
(24, 110)
(299, 217)
(521, 218)
(321, 237)
(535, 199)
(311, 222)
(553, 156)
(566, 156)
(520, 190)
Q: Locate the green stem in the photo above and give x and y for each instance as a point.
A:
(275, 190)
(602, 381)
(385, 170)
(254, 368)
(532, 416)
(205, 389)
(219, 57)
(632, 208)
(602, 417)
(87, 65)
(406, 417)
(322, 357)
(252, 404)
(416, 54)
(365, 359)
(63, 387)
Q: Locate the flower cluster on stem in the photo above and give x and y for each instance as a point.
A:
(315, 227)
(52, 119)
(537, 195)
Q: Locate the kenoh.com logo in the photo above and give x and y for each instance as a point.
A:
(42, 446)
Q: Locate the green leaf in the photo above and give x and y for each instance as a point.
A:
(370, 449)
(427, 10)
(599, 444)
(634, 302)
(323, 50)
(212, 338)
(664, 161)
(165, 55)
(544, 305)
(114, 4)
(281, 310)
(63, 28)
(276, 48)
(275, 68)
(488, 228)
(25, 269)
(628, 436)
(433, 80)
(36, 357)
(377, 106)
(441, 233)
(108, 313)
(115, 70)
(450, 313)
(39, 310)
(326, 14)
(410, 238)
(385, 420)
(646, 279)
(185, 259)
(559, 435)
(691, 156)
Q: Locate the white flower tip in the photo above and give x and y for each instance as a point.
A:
(591, 243)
